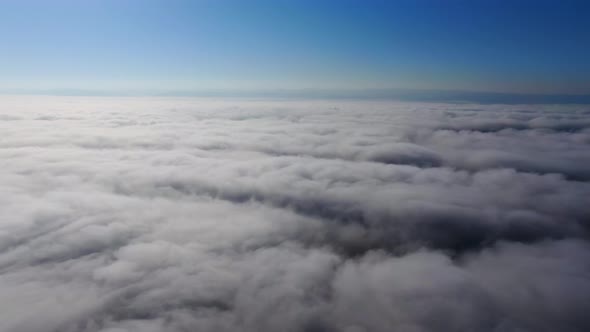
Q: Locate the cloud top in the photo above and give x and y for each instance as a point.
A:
(171, 214)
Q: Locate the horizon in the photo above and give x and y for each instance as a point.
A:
(409, 95)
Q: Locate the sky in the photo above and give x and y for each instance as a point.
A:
(534, 47)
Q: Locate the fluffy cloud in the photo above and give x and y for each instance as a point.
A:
(147, 214)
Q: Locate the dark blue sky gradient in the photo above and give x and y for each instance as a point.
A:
(168, 45)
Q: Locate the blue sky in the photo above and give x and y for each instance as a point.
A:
(168, 45)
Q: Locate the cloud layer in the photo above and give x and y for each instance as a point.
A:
(147, 214)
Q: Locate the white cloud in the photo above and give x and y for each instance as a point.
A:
(156, 214)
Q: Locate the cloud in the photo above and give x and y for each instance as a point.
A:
(172, 214)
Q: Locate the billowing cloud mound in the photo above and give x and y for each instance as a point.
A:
(199, 215)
